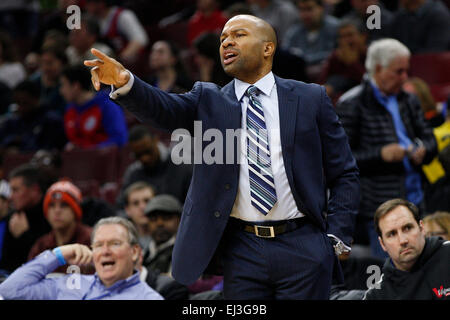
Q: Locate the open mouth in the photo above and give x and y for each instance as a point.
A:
(108, 264)
(229, 57)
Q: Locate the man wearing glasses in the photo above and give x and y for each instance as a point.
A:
(114, 253)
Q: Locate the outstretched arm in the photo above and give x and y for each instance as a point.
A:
(147, 103)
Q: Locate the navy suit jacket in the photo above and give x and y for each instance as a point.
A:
(316, 156)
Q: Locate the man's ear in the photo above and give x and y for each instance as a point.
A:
(381, 243)
(269, 49)
(378, 68)
(421, 228)
(136, 253)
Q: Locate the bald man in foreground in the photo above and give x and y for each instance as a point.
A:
(274, 210)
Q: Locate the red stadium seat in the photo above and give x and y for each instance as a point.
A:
(433, 68)
(125, 159)
(91, 164)
(88, 188)
(13, 160)
(440, 92)
(177, 32)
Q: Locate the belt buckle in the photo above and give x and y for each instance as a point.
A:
(264, 231)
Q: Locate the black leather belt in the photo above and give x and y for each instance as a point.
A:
(268, 231)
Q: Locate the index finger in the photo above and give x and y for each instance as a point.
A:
(100, 54)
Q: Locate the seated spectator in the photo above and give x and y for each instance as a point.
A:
(437, 225)
(63, 212)
(120, 28)
(26, 222)
(164, 213)
(359, 16)
(55, 39)
(52, 61)
(417, 267)
(314, 37)
(137, 196)
(207, 59)
(168, 73)
(344, 69)
(281, 15)
(387, 133)
(422, 25)
(153, 167)
(83, 39)
(5, 196)
(31, 63)
(91, 119)
(12, 72)
(115, 252)
(420, 88)
(165, 285)
(437, 195)
(207, 18)
(32, 126)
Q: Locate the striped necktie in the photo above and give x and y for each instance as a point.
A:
(262, 184)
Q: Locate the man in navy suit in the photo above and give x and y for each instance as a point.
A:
(280, 211)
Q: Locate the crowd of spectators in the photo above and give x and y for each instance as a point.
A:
(48, 108)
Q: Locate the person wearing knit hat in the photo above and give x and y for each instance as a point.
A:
(62, 209)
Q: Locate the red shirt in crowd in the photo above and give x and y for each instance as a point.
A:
(200, 23)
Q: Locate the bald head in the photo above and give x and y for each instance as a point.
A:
(264, 30)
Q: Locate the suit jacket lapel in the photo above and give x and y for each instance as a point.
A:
(233, 107)
(287, 108)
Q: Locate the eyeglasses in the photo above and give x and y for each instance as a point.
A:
(112, 245)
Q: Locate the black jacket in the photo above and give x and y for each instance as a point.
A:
(369, 127)
(429, 279)
(15, 250)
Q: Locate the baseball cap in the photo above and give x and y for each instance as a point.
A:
(163, 203)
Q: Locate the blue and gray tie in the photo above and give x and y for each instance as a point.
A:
(262, 184)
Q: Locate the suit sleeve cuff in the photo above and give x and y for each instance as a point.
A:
(115, 93)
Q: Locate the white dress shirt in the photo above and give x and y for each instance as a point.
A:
(285, 208)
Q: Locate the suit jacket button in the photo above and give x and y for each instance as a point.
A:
(217, 214)
(227, 186)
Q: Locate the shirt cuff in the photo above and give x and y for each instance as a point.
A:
(115, 93)
(346, 248)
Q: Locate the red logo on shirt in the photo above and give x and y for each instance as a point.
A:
(441, 292)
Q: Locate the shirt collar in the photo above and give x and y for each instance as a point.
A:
(121, 283)
(265, 85)
(381, 97)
